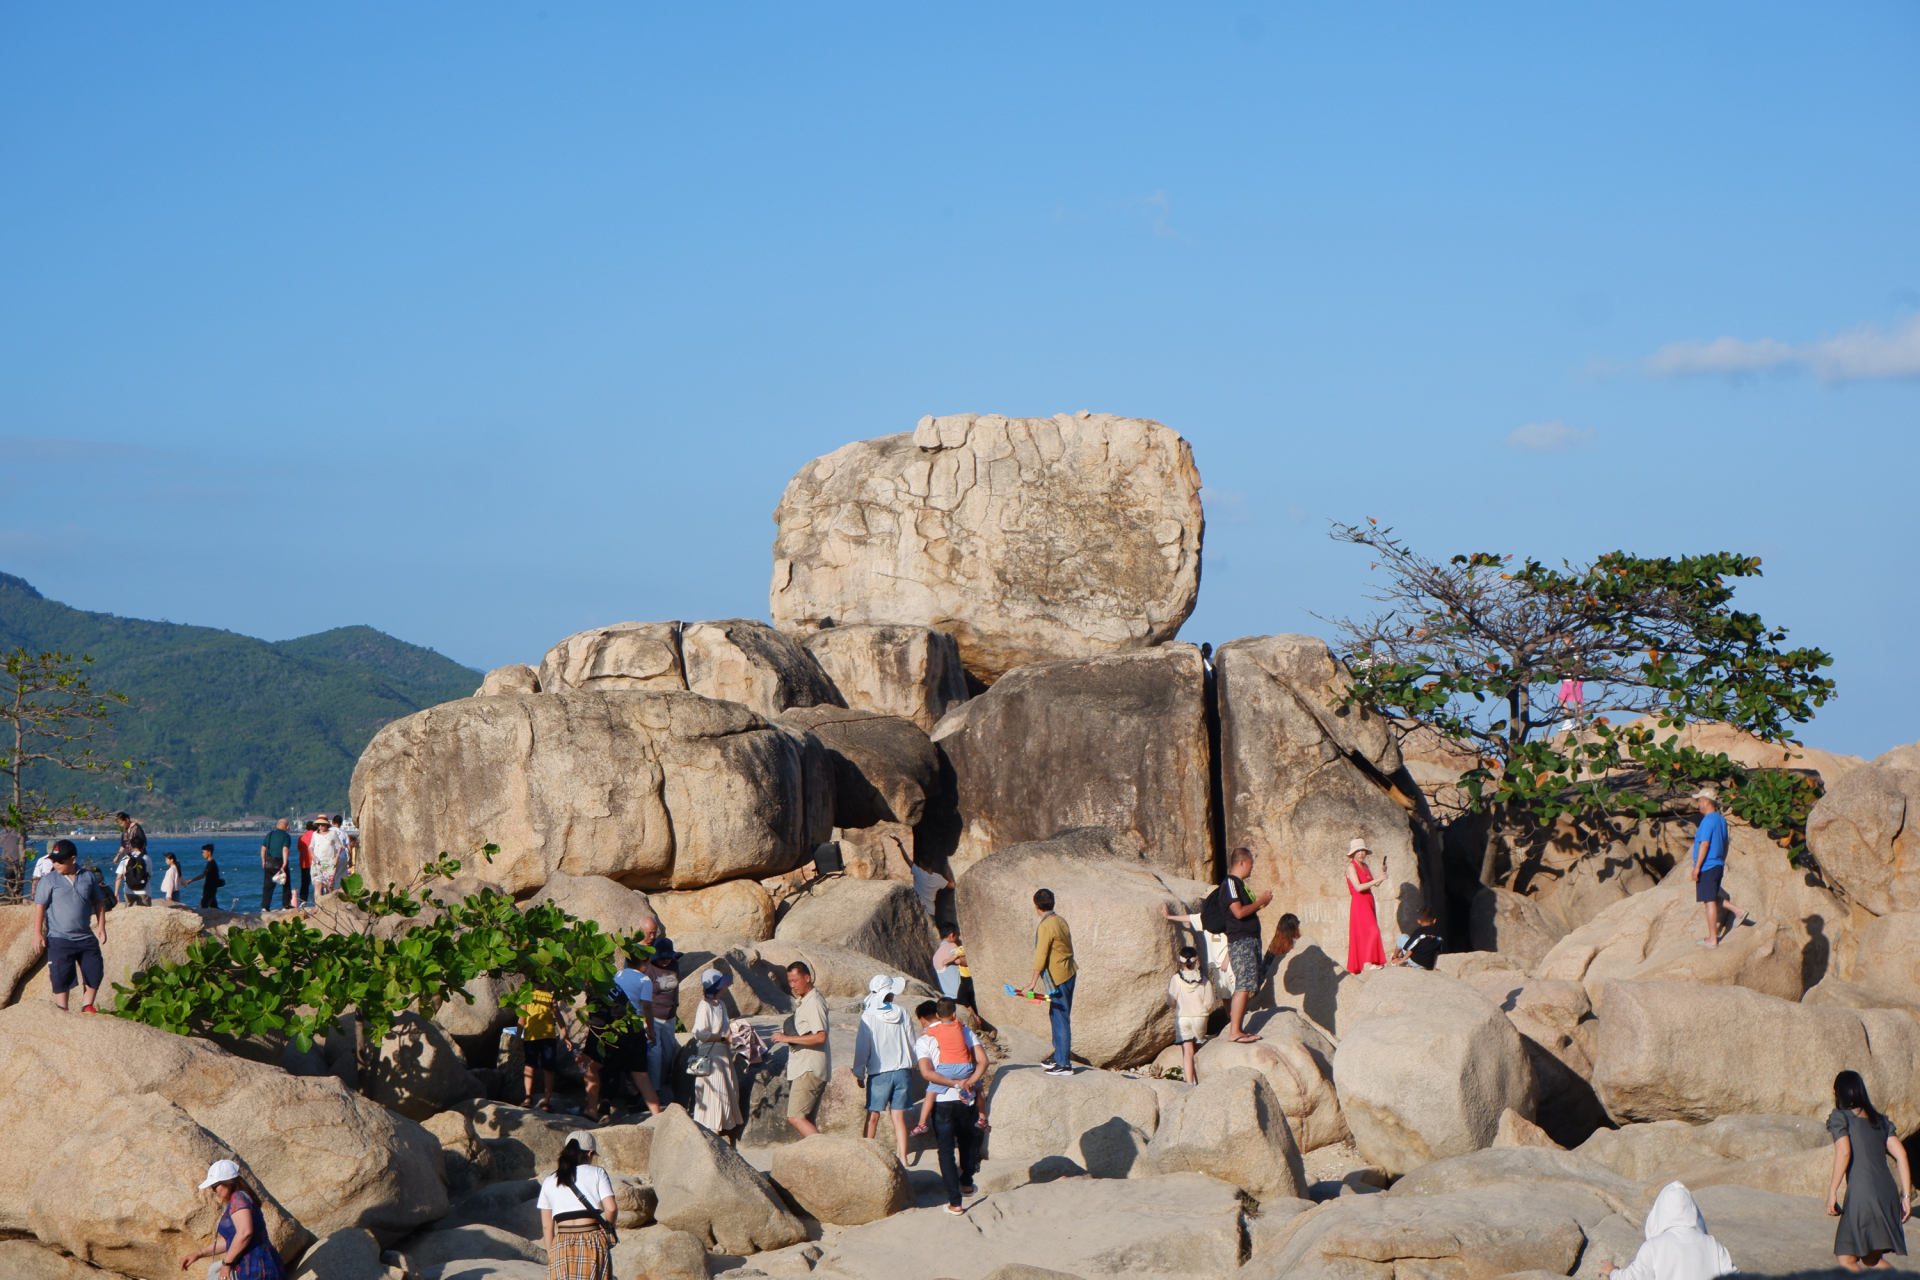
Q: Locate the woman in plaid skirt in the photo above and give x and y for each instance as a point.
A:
(576, 1214)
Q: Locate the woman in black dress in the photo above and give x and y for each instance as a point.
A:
(1870, 1221)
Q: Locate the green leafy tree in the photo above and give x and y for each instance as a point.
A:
(1474, 647)
(290, 979)
(49, 716)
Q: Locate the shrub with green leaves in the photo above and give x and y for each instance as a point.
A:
(290, 979)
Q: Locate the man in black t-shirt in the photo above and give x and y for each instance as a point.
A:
(1243, 937)
(209, 879)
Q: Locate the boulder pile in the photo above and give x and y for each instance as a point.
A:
(972, 689)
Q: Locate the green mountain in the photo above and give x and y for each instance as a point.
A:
(227, 724)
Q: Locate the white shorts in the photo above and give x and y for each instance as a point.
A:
(1190, 1031)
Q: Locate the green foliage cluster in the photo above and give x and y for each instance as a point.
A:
(1468, 644)
(230, 725)
(291, 979)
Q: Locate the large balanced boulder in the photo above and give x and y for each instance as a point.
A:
(1426, 1065)
(893, 669)
(1114, 902)
(1230, 1127)
(1685, 1051)
(1037, 753)
(656, 790)
(884, 768)
(844, 1181)
(1028, 539)
(333, 1159)
(708, 1190)
(879, 918)
(1865, 832)
(515, 677)
(119, 1189)
(1301, 778)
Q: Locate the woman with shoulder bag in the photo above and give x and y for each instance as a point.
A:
(716, 1093)
(576, 1214)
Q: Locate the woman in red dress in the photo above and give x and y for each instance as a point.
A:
(1363, 927)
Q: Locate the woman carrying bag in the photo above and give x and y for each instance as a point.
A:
(576, 1214)
(716, 1092)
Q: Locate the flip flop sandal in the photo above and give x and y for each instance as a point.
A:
(982, 1125)
(917, 1130)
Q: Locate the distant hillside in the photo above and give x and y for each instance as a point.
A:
(231, 725)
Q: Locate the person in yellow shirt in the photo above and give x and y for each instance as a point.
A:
(540, 1038)
(1053, 973)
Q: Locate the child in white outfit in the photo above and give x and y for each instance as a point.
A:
(1192, 998)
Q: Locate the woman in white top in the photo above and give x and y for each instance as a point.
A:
(170, 883)
(576, 1214)
(716, 1095)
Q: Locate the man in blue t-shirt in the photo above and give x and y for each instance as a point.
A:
(1709, 864)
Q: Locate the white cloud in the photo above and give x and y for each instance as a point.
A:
(1538, 437)
(1860, 353)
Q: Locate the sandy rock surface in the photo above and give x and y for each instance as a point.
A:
(1230, 1127)
(333, 1159)
(881, 919)
(706, 1189)
(1685, 1051)
(1864, 832)
(1425, 1067)
(842, 1180)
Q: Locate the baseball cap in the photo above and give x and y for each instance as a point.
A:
(220, 1171)
(583, 1139)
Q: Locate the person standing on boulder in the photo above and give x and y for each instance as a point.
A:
(133, 839)
(1873, 1217)
(1709, 864)
(809, 1058)
(275, 868)
(716, 1091)
(1053, 965)
(1364, 946)
(883, 1057)
(304, 898)
(1240, 913)
(65, 901)
(326, 855)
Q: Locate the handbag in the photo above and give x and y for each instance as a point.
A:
(701, 1063)
(280, 876)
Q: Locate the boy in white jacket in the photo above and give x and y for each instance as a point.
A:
(883, 1057)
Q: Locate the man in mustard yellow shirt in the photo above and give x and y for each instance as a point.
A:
(1054, 973)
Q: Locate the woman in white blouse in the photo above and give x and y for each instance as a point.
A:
(170, 883)
(716, 1093)
(576, 1214)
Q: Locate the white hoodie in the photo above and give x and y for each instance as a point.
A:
(1678, 1246)
(885, 1039)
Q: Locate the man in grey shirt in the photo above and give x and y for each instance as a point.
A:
(65, 903)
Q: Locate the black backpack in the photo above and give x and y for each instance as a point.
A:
(137, 873)
(1214, 916)
(609, 1009)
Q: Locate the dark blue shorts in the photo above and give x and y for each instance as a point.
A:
(63, 954)
(543, 1055)
(1707, 887)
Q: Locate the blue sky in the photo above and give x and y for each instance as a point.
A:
(486, 323)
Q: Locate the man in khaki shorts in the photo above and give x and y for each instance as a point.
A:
(809, 1060)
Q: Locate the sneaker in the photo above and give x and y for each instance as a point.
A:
(956, 1211)
(1704, 943)
(1054, 1069)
